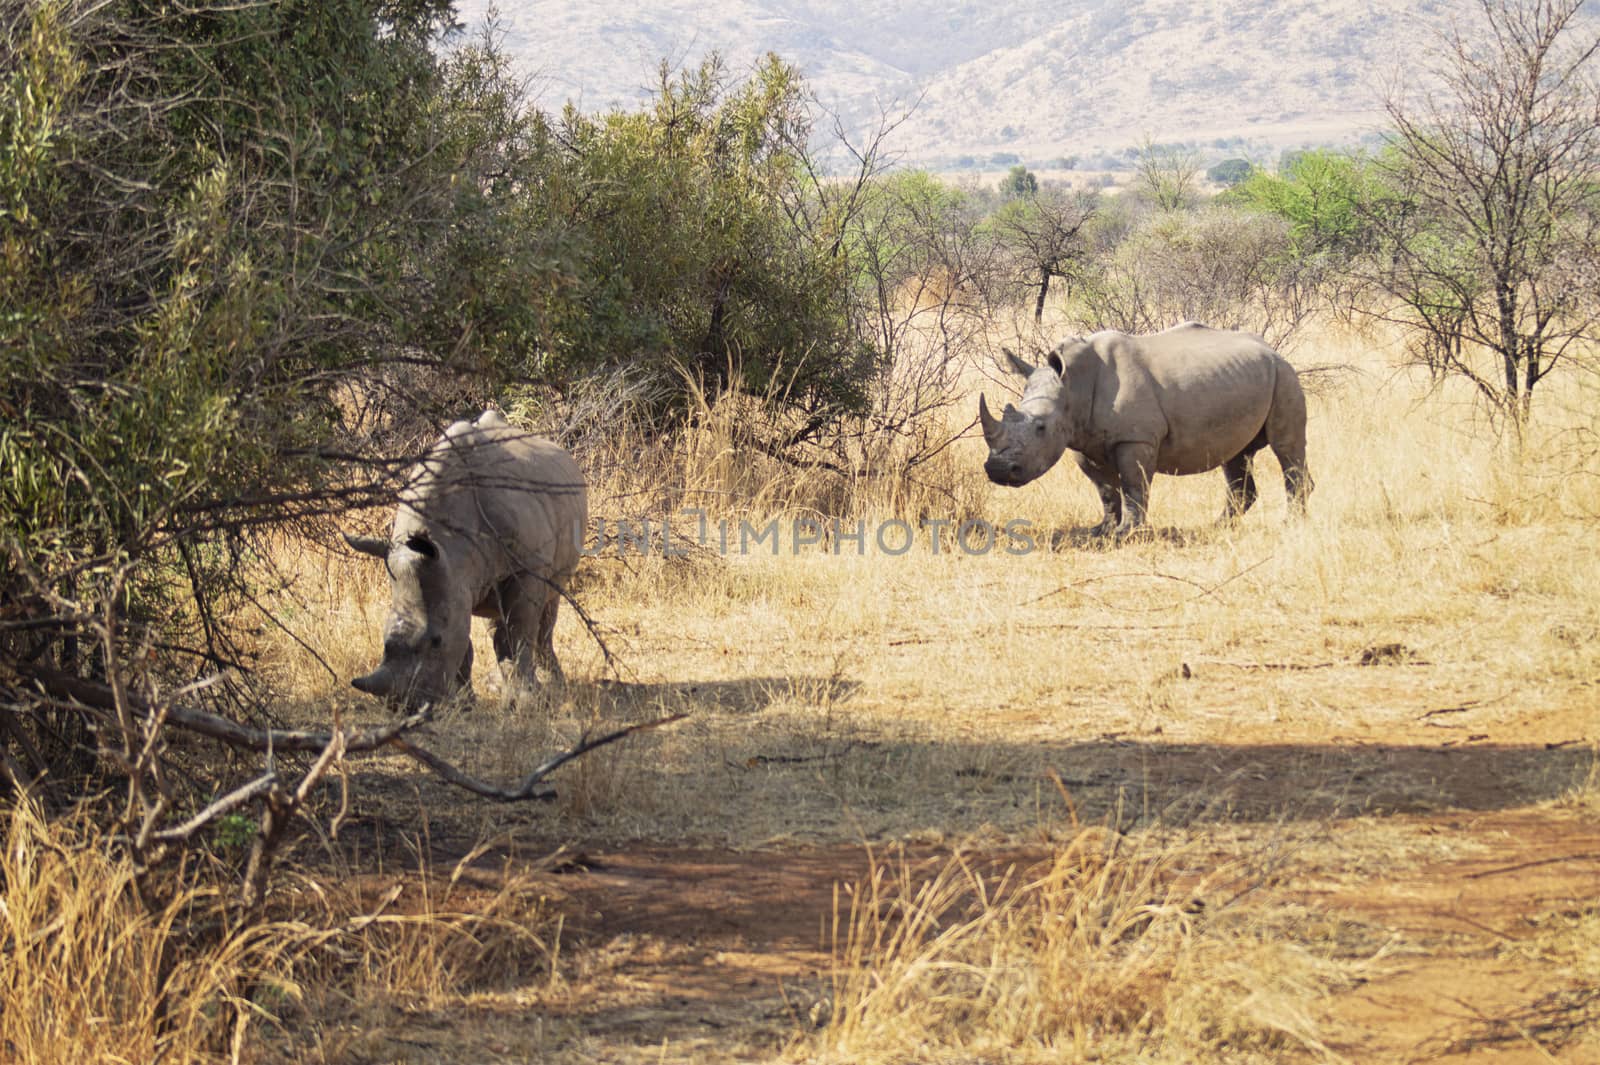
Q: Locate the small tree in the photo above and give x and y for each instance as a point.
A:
(1498, 213)
(1230, 172)
(1043, 234)
(1168, 173)
(1321, 194)
(1019, 182)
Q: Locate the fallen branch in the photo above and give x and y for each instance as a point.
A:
(98, 696)
(526, 789)
(1589, 857)
(225, 805)
(1204, 590)
(72, 690)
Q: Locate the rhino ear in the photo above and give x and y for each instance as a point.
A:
(1017, 364)
(376, 546)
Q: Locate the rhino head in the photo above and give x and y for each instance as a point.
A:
(1026, 441)
(427, 645)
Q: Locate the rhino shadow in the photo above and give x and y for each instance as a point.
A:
(739, 695)
(1090, 538)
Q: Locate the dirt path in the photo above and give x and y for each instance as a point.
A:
(1475, 971)
(699, 954)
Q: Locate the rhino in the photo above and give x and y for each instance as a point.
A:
(1185, 400)
(489, 523)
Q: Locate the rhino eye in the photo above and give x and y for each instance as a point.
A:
(436, 641)
(423, 546)
(1039, 428)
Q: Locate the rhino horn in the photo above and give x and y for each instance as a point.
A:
(378, 683)
(991, 424)
(1018, 364)
(376, 546)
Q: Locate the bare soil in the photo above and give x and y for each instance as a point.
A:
(695, 952)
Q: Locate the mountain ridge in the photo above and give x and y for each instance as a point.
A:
(1038, 80)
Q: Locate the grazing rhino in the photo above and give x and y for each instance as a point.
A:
(489, 523)
(1185, 400)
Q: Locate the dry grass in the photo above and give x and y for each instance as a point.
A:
(90, 974)
(1114, 948)
(377, 953)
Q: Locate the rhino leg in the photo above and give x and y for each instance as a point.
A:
(1296, 478)
(511, 647)
(1241, 486)
(464, 674)
(1136, 463)
(1286, 432)
(544, 646)
(522, 633)
(1297, 482)
(1109, 487)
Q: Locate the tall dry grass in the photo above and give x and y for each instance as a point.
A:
(1115, 948)
(375, 951)
(90, 973)
(95, 970)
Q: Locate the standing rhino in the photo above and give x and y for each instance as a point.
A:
(1185, 400)
(489, 523)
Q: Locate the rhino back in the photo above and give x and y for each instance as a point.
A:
(1201, 395)
(544, 510)
(508, 500)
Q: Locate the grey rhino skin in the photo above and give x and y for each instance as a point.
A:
(489, 523)
(1185, 400)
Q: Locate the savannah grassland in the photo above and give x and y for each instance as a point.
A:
(1309, 791)
(1320, 790)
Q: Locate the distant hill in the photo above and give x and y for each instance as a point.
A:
(1042, 80)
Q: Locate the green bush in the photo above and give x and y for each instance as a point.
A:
(700, 244)
(1320, 194)
(1230, 172)
(208, 213)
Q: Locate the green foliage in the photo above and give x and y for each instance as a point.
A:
(696, 246)
(200, 218)
(1321, 193)
(1230, 172)
(914, 232)
(234, 831)
(1019, 182)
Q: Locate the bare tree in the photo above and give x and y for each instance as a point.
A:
(1497, 215)
(1168, 173)
(1043, 232)
(1219, 266)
